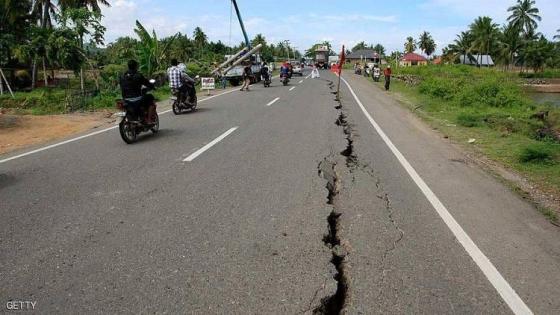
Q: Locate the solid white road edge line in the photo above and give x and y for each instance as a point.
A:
(209, 145)
(93, 133)
(273, 101)
(293, 87)
(507, 293)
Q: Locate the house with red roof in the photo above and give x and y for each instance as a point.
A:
(412, 59)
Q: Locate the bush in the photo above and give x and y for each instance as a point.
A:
(439, 87)
(537, 153)
(467, 119)
(110, 75)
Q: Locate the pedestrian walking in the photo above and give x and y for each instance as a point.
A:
(247, 73)
(387, 73)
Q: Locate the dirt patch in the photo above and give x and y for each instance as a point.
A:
(20, 131)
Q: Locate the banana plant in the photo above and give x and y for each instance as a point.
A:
(151, 52)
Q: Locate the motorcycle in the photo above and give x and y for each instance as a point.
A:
(266, 80)
(131, 126)
(285, 79)
(376, 74)
(184, 102)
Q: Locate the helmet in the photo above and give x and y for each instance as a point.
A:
(182, 66)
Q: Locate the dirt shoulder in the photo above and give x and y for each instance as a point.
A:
(20, 131)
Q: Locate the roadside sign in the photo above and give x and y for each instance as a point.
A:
(208, 84)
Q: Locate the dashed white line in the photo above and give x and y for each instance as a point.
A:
(301, 81)
(94, 133)
(209, 145)
(293, 87)
(273, 101)
(505, 290)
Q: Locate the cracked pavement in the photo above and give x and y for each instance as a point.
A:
(302, 210)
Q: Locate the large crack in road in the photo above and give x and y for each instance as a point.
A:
(329, 170)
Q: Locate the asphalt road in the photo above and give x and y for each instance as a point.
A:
(273, 201)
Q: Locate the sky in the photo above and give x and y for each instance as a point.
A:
(304, 22)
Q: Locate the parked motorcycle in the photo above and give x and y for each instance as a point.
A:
(376, 74)
(132, 124)
(185, 102)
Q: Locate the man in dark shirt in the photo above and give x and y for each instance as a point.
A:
(131, 83)
(247, 73)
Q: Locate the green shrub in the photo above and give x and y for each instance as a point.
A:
(439, 87)
(537, 153)
(468, 119)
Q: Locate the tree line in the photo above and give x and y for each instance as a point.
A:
(517, 43)
(68, 34)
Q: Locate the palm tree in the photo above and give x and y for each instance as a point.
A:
(461, 46)
(200, 39)
(427, 43)
(558, 35)
(92, 5)
(378, 48)
(360, 45)
(524, 15)
(485, 33)
(409, 45)
(510, 43)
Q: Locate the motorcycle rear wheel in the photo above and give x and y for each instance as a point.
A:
(127, 131)
(176, 109)
(155, 128)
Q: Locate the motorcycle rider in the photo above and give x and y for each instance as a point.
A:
(179, 79)
(265, 72)
(188, 82)
(131, 83)
(284, 70)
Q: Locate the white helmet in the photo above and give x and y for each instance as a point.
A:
(182, 66)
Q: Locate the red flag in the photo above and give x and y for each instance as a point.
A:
(341, 60)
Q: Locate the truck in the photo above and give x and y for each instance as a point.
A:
(321, 57)
(235, 74)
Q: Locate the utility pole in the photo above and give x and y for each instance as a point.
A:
(287, 42)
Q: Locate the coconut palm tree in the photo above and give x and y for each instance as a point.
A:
(200, 39)
(426, 43)
(524, 15)
(557, 36)
(510, 44)
(93, 5)
(485, 34)
(409, 45)
(461, 46)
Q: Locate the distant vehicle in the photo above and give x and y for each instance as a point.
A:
(321, 57)
(235, 75)
(297, 68)
(333, 60)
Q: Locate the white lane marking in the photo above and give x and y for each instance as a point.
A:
(273, 101)
(301, 81)
(307, 77)
(509, 295)
(93, 133)
(209, 145)
(293, 87)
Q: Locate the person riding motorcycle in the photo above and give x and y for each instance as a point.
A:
(284, 70)
(179, 80)
(265, 72)
(132, 82)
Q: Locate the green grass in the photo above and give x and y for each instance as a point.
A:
(492, 108)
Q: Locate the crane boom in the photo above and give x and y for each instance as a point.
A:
(247, 42)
